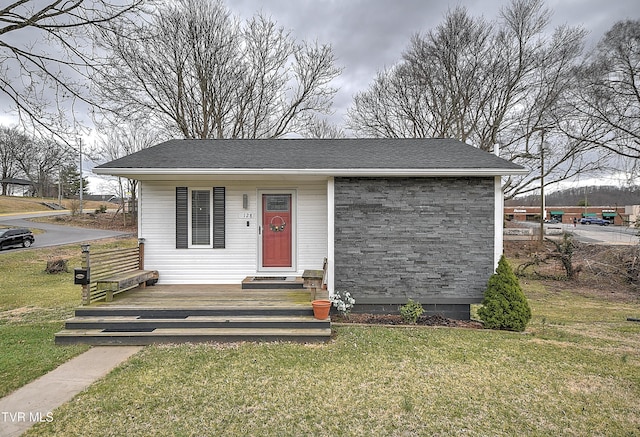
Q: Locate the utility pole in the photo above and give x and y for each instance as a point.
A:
(81, 183)
(542, 211)
(586, 203)
(60, 185)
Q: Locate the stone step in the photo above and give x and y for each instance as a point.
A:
(136, 322)
(190, 335)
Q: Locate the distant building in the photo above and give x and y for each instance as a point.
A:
(633, 213)
(620, 215)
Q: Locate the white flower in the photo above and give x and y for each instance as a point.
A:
(343, 304)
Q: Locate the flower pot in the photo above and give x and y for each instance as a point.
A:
(321, 308)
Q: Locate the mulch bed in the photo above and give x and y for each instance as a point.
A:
(395, 319)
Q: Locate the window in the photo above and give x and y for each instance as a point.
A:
(278, 203)
(200, 217)
(200, 223)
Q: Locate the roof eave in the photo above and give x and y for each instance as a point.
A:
(145, 173)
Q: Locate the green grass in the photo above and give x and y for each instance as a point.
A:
(14, 204)
(569, 374)
(19, 204)
(33, 307)
(25, 283)
(576, 371)
(369, 381)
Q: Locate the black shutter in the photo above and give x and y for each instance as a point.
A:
(218, 217)
(182, 217)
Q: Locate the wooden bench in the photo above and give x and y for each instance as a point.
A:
(125, 281)
(113, 271)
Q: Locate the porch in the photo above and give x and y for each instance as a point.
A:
(197, 313)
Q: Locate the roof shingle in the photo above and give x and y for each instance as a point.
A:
(301, 154)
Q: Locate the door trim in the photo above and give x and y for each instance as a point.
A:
(294, 230)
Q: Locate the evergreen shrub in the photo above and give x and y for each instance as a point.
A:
(504, 306)
(411, 312)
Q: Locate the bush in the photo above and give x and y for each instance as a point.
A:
(411, 311)
(343, 301)
(74, 206)
(504, 306)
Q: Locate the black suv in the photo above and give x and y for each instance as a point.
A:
(16, 237)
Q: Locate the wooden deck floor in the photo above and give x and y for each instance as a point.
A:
(197, 313)
(208, 296)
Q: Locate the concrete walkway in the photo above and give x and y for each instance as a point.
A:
(36, 401)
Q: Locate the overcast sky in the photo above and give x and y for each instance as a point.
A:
(369, 35)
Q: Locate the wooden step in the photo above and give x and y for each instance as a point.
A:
(134, 323)
(272, 282)
(182, 312)
(190, 335)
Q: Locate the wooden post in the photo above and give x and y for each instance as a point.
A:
(141, 258)
(86, 298)
(141, 253)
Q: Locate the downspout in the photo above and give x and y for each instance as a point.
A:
(330, 234)
(498, 239)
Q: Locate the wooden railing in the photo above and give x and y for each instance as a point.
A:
(101, 265)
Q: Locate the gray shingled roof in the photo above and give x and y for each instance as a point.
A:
(303, 154)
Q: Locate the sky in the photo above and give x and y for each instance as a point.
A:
(368, 36)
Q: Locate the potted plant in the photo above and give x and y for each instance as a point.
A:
(321, 308)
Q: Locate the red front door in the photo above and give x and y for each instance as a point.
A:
(276, 230)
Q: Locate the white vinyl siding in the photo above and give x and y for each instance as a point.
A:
(239, 257)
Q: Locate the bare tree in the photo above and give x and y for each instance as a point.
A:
(605, 108)
(322, 128)
(201, 73)
(11, 141)
(124, 139)
(39, 159)
(45, 84)
(451, 79)
(484, 83)
(535, 138)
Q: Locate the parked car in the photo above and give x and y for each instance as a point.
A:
(594, 221)
(552, 221)
(16, 237)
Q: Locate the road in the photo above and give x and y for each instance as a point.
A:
(54, 235)
(614, 235)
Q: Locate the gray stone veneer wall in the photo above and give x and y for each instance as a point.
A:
(428, 239)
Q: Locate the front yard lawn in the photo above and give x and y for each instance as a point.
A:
(575, 371)
(568, 375)
(33, 307)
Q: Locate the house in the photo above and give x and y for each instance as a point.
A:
(395, 218)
